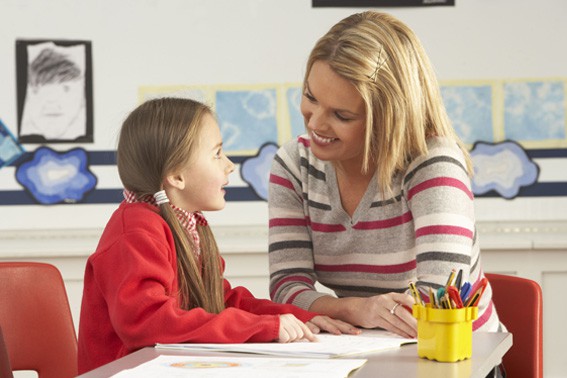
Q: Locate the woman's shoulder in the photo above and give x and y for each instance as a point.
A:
(443, 156)
(291, 152)
(440, 148)
(442, 145)
(297, 146)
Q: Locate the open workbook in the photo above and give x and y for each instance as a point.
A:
(327, 346)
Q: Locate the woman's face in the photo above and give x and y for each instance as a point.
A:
(335, 116)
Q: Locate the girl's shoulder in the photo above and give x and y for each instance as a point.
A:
(132, 218)
(137, 211)
(137, 228)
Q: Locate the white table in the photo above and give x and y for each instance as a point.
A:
(488, 349)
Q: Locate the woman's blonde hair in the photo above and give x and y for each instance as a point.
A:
(387, 64)
(156, 140)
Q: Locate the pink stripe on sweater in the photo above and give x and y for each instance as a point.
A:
(363, 268)
(280, 181)
(483, 318)
(288, 279)
(384, 223)
(304, 141)
(439, 181)
(282, 222)
(292, 297)
(323, 227)
(445, 230)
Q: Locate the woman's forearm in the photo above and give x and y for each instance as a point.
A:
(337, 308)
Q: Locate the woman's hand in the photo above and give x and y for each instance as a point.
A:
(324, 323)
(391, 312)
(293, 329)
(372, 312)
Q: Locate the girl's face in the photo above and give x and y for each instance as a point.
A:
(335, 116)
(206, 174)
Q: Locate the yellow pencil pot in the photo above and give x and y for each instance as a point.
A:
(444, 335)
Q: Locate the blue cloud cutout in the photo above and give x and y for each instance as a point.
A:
(503, 167)
(256, 170)
(52, 177)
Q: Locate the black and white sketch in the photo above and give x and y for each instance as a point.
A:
(54, 91)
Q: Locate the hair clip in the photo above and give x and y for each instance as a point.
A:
(161, 197)
(379, 64)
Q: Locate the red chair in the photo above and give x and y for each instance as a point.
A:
(5, 368)
(36, 320)
(525, 358)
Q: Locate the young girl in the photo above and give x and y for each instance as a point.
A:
(156, 275)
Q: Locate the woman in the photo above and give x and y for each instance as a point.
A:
(377, 194)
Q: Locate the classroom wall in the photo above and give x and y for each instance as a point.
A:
(139, 44)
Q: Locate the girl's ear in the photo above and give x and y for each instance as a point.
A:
(176, 181)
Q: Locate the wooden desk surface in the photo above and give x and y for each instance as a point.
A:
(488, 349)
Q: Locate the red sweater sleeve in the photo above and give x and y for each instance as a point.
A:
(138, 281)
(241, 297)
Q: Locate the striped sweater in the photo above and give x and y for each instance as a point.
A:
(425, 229)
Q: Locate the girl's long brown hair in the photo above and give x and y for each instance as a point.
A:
(156, 140)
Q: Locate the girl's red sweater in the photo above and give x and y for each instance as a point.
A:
(130, 296)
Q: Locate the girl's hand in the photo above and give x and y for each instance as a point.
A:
(293, 329)
(336, 327)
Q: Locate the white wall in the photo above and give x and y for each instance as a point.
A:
(190, 42)
(199, 42)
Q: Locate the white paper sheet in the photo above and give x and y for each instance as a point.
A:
(327, 346)
(245, 367)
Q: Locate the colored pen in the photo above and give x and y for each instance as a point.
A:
(465, 290)
(472, 300)
(423, 293)
(459, 279)
(479, 284)
(415, 293)
(454, 296)
(432, 298)
(440, 293)
(450, 279)
(476, 297)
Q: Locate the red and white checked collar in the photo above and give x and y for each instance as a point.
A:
(188, 220)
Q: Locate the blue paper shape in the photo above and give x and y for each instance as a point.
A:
(52, 177)
(503, 167)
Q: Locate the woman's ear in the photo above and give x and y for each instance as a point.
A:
(175, 181)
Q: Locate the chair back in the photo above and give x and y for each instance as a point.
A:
(525, 358)
(36, 319)
(5, 368)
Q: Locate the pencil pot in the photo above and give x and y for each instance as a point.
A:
(444, 335)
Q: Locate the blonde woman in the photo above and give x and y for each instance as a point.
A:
(377, 194)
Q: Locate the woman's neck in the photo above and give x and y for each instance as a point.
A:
(352, 184)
